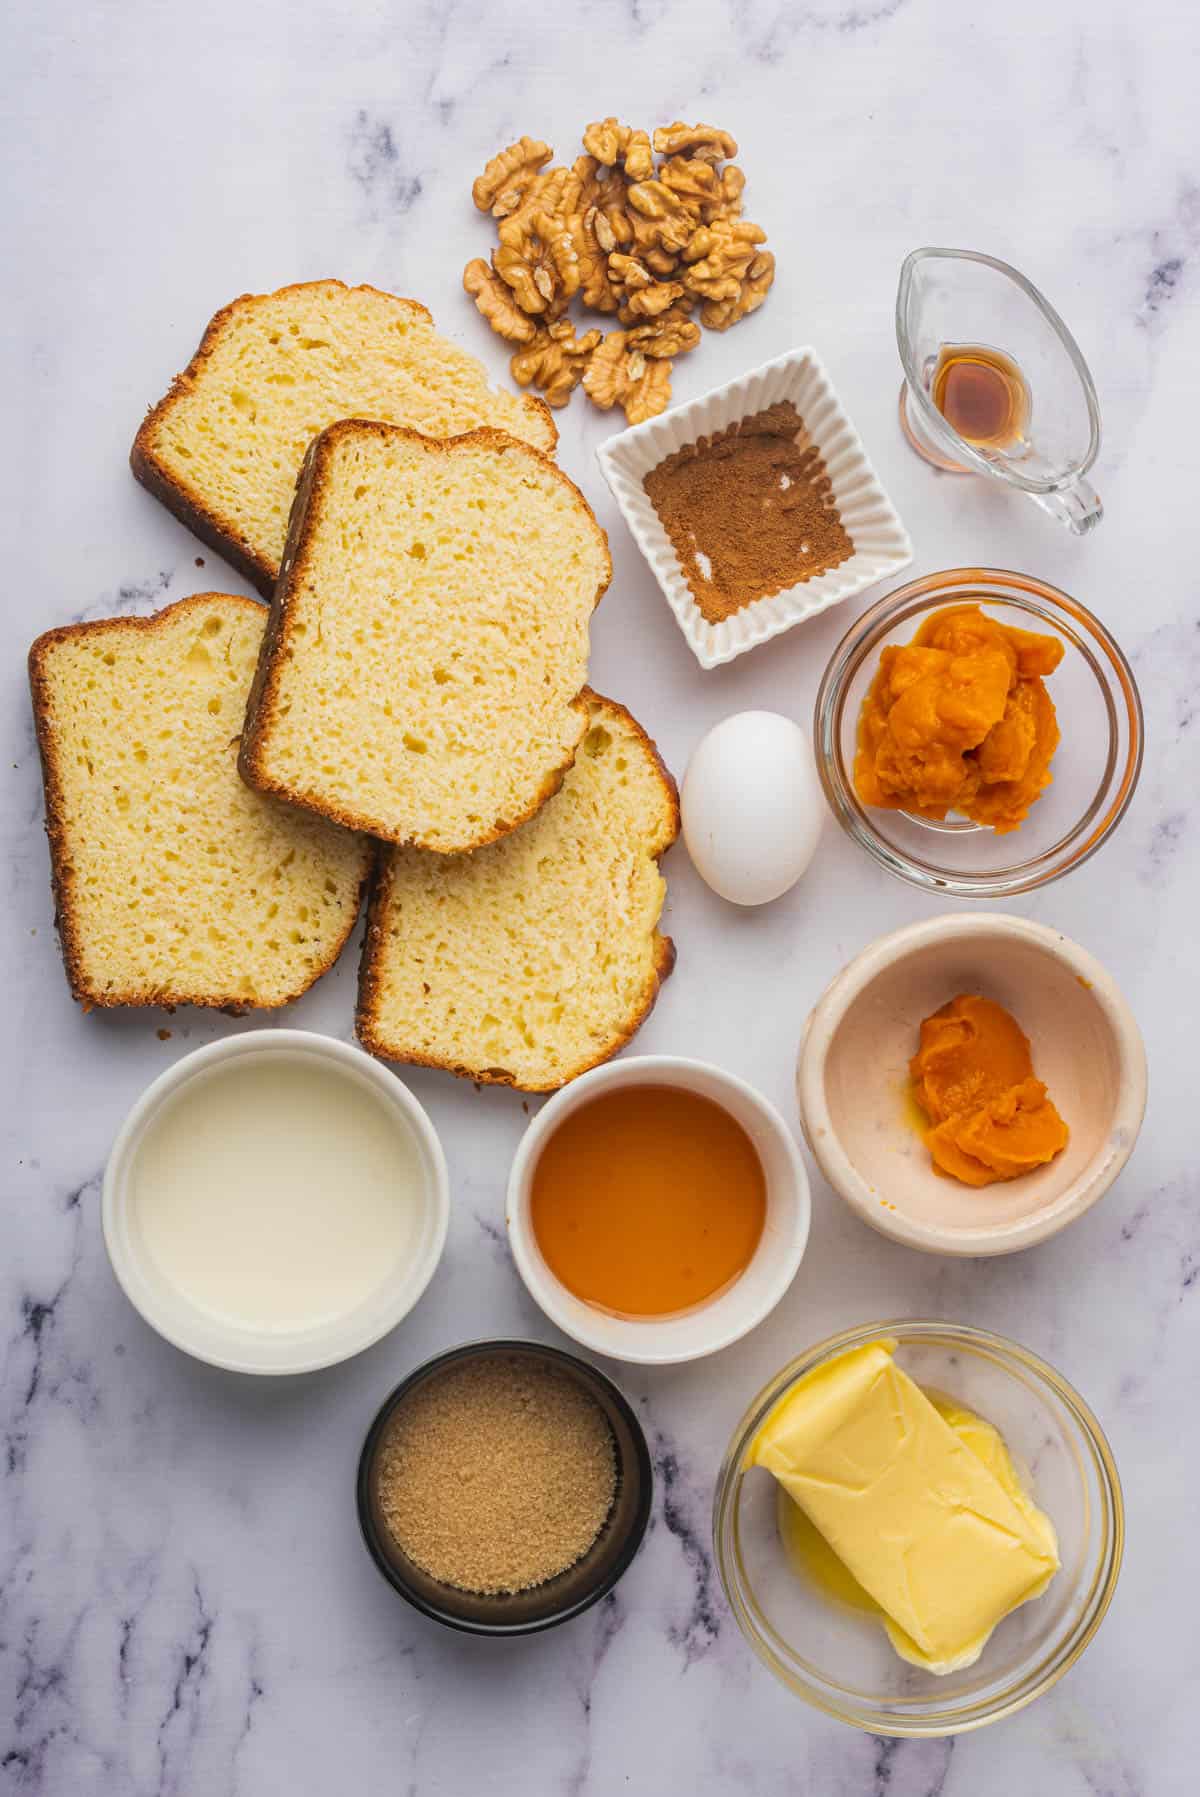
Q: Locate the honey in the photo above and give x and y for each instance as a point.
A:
(648, 1200)
(981, 393)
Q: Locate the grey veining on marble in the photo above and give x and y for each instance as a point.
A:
(185, 1607)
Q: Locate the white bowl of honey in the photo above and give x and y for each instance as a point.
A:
(658, 1209)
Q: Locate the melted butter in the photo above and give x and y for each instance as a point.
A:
(811, 1557)
(914, 1116)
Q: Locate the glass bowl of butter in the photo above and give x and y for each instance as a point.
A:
(918, 1527)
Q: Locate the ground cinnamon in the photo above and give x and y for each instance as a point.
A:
(749, 511)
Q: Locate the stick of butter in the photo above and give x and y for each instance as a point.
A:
(941, 1536)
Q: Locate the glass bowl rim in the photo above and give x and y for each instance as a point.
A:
(551, 1355)
(1060, 611)
(1012, 1356)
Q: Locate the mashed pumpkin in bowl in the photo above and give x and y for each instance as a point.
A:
(989, 1117)
(959, 720)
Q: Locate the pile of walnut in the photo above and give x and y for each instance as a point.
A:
(650, 244)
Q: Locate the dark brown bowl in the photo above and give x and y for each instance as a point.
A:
(572, 1591)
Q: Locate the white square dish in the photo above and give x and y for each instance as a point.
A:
(881, 544)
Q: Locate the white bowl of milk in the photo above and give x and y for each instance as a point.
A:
(275, 1202)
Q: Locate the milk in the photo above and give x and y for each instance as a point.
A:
(277, 1193)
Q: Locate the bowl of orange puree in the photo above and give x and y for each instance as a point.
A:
(971, 1084)
(979, 733)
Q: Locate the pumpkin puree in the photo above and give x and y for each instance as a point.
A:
(973, 1078)
(960, 720)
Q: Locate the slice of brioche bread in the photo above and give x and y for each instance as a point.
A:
(174, 883)
(223, 449)
(531, 960)
(421, 673)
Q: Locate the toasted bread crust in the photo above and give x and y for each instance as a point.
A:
(203, 518)
(263, 702)
(208, 526)
(62, 878)
(379, 899)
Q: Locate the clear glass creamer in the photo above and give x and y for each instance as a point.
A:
(958, 306)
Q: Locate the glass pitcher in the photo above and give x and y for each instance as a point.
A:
(960, 301)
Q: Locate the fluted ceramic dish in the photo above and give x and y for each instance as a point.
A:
(881, 544)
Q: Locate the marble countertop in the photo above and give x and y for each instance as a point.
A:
(185, 1605)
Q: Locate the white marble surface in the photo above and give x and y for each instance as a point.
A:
(185, 1606)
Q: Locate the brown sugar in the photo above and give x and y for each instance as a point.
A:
(496, 1474)
(749, 511)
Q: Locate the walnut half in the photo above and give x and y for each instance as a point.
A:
(672, 216)
(538, 259)
(718, 315)
(705, 142)
(672, 333)
(624, 376)
(720, 257)
(508, 176)
(555, 361)
(496, 302)
(652, 301)
(612, 143)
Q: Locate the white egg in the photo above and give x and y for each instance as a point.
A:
(752, 806)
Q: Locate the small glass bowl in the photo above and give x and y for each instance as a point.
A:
(840, 1659)
(570, 1592)
(1095, 768)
